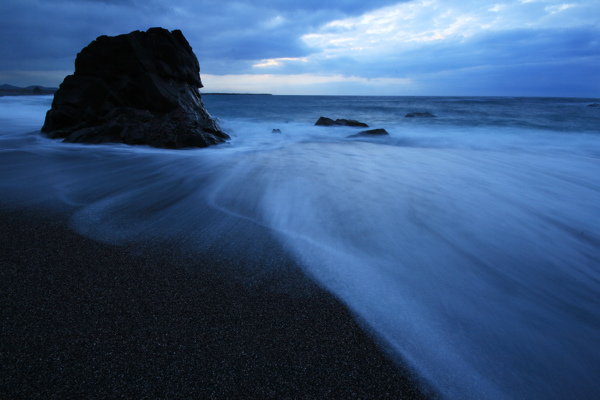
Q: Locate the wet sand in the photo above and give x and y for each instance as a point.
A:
(84, 319)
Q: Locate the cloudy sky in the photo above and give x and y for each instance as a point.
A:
(349, 47)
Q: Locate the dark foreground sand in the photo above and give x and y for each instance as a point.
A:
(83, 319)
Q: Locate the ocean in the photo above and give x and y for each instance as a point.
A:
(468, 243)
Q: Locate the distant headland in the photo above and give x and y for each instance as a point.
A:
(10, 90)
(236, 94)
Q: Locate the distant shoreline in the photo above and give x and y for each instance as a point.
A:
(36, 90)
(9, 90)
(236, 94)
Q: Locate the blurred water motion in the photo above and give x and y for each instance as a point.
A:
(471, 249)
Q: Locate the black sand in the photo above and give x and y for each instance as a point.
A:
(83, 319)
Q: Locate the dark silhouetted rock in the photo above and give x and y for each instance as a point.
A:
(324, 121)
(138, 88)
(420, 115)
(276, 131)
(594, 105)
(370, 132)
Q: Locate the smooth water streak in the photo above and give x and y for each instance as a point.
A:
(471, 249)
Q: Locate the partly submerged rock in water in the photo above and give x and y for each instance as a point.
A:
(324, 121)
(370, 132)
(420, 115)
(138, 88)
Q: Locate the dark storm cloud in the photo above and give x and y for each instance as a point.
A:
(250, 31)
(437, 45)
(48, 34)
(514, 62)
(513, 47)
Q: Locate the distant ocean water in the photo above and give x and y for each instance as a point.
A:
(469, 242)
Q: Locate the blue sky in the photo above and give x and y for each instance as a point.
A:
(347, 47)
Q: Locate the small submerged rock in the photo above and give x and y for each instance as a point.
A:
(138, 88)
(276, 130)
(420, 115)
(324, 121)
(370, 132)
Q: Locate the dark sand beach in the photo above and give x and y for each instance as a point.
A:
(83, 319)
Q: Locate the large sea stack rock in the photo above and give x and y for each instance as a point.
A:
(138, 88)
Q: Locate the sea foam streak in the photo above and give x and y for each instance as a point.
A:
(480, 268)
(471, 249)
